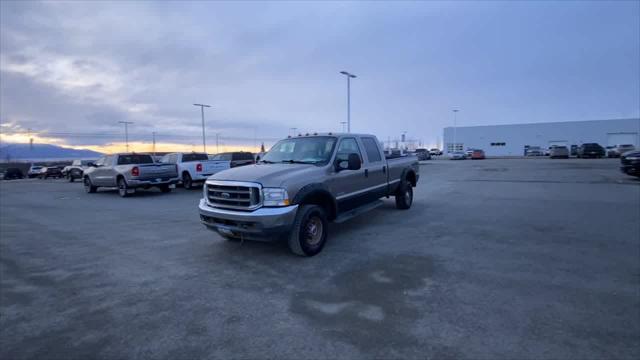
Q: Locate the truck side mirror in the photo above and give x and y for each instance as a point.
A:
(354, 161)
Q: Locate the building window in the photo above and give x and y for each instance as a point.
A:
(498, 144)
(451, 148)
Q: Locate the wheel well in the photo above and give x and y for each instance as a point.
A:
(185, 173)
(323, 200)
(120, 177)
(411, 178)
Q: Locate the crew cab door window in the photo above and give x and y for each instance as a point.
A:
(372, 150)
(347, 146)
(375, 169)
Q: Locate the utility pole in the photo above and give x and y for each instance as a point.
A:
(154, 143)
(217, 150)
(126, 132)
(204, 143)
(455, 129)
(30, 140)
(349, 77)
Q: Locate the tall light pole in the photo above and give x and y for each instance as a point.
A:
(126, 132)
(455, 129)
(349, 77)
(154, 143)
(204, 143)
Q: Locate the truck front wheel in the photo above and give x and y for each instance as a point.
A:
(309, 232)
(404, 195)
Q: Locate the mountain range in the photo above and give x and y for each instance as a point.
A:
(43, 152)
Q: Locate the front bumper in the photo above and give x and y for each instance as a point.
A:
(263, 224)
(134, 183)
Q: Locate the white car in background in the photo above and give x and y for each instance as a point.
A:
(194, 168)
(34, 171)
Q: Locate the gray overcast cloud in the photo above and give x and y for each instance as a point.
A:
(80, 67)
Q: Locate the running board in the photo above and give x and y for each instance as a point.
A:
(357, 211)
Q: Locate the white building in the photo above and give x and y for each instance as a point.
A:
(510, 140)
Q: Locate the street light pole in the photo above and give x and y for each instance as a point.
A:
(126, 132)
(455, 129)
(349, 77)
(204, 143)
(154, 143)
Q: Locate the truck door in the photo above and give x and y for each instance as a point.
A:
(347, 185)
(375, 169)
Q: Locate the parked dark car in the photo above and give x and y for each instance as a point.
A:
(630, 163)
(423, 154)
(574, 150)
(238, 158)
(13, 173)
(51, 171)
(590, 150)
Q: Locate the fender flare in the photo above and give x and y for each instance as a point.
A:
(316, 189)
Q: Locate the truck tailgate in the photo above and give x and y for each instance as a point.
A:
(211, 167)
(155, 171)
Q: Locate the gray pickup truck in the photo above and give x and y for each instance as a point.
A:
(128, 172)
(302, 183)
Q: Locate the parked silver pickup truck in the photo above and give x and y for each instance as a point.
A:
(128, 172)
(302, 183)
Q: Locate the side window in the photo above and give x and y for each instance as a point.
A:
(347, 146)
(165, 159)
(100, 161)
(371, 148)
(108, 160)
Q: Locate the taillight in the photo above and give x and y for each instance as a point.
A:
(135, 171)
(199, 167)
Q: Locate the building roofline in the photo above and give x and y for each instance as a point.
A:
(539, 123)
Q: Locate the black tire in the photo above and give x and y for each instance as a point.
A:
(309, 232)
(165, 188)
(88, 186)
(123, 188)
(404, 195)
(187, 183)
(70, 177)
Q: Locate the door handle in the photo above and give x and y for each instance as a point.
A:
(384, 169)
(366, 172)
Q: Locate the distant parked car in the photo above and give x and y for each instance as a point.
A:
(238, 158)
(574, 150)
(559, 152)
(50, 171)
(194, 168)
(12, 174)
(477, 154)
(76, 169)
(435, 152)
(128, 172)
(630, 163)
(423, 154)
(469, 152)
(534, 151)
(616, 151)
(34, 171)
(458, 155)
(590, 150)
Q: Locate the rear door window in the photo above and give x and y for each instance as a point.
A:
(194, 157)
(371, 148)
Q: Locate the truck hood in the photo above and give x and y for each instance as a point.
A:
(269, 175)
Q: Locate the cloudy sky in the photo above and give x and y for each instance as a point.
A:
(71, 70)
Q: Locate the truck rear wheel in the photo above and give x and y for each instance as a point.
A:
(404, 195)
(309, 232)
(123, 189)
(187, 183)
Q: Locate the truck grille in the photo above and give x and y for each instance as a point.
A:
(233, 195)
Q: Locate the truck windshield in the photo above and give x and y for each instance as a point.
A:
(308, 150)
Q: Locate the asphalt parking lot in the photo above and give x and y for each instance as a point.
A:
(532, 258)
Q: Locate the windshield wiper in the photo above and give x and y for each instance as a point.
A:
(267, 162)
(298, 162)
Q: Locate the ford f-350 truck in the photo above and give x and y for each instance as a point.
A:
(301, 184)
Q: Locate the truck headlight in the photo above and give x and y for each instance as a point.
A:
(275, 197)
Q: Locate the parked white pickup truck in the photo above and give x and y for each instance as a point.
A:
(195, 168)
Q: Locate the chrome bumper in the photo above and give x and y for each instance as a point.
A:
(261, 224)
(141, 183)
